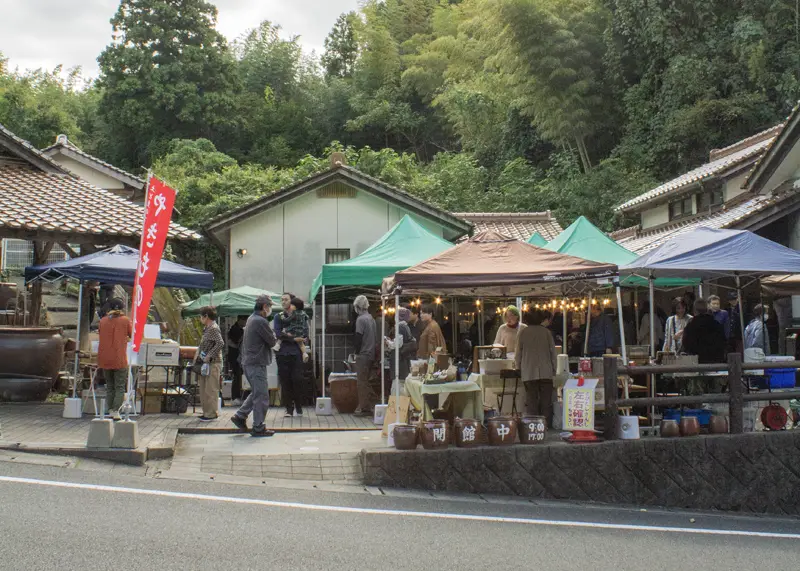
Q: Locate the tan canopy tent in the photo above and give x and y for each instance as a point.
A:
(491, 264)
(781, 286)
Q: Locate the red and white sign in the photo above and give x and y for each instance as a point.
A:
(157, 216)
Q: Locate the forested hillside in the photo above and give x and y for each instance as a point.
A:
(475, 105)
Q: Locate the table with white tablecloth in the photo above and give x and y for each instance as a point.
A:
(465, 397)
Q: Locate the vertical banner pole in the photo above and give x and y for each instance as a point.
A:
(397, 361)
(323, 342)
(78, 340)
(383, 348)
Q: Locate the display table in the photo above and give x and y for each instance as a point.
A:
(465, 396)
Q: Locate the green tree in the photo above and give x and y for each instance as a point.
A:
(341, 47)
(167, 73)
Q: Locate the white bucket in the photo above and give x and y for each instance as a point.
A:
(380, 414)
(324, 406)
(628, 428)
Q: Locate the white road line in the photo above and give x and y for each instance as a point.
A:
(400, 513)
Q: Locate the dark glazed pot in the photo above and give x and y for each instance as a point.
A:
(690, 426)
(718, 425)
(21, 388)
(669, 428)
(532, 429)
(344, 393)
(502, 431)
(434, 434)
(31, 352)
(469, 433)
(8, 295)
(405, 437)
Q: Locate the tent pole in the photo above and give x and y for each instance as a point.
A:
(588, 324)
(454, 326)
(383, 348)
(322, 365)
(764, 336)
(621, 327)
(397, 362)
(78, 340)
(636, 312)
(651, 286)
(564, 330)
(741, 308)
(700, 290)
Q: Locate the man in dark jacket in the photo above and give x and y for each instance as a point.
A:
(704, 336)
(256, 354)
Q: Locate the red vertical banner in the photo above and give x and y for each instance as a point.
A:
(157, 216)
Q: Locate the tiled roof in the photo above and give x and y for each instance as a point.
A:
(67, 146)
(645, 241)
(518, 225)
(37, 201)
(726, 161)
(33, 152)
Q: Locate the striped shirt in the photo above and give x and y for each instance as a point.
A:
(211, 344)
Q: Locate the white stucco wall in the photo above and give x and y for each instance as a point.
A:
(286, 244)
(655, 216)
(89, 174)
(733, 187)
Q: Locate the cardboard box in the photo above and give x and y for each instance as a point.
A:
(152, 400)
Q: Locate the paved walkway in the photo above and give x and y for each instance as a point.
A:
(41, 425)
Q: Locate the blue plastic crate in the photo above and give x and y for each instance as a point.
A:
(703, 416)
(781, 378)
(672, 414)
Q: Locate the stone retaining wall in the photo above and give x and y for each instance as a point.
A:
(756, 472)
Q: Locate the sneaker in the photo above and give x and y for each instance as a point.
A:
(262, 432)
(364, 413)
(288, 415)
(207, 418)
(237, 402)
(298, 413)
(240, 423)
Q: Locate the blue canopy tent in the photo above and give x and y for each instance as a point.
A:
(116, 265)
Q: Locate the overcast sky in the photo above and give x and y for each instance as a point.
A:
(45, 33)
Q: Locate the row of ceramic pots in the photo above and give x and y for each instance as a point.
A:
(466, 433)
(690, 426)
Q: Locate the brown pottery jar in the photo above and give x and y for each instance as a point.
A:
(718, 425)
(469, 433)
(502, 431)
(690, 426)
(532, 429)
(434, 434)
(669, 428)
(405, 437)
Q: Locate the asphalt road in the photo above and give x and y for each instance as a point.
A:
(64, 519)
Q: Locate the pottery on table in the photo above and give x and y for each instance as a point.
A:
(690, 426)
(669, 428)
(532, 429)
(469, 433)
(405, 437)
(718, 425)
(502, 431)
(434, 434)
(344, 392)
(28, 355)
(187, 352)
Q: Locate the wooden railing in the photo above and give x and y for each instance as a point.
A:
(735, 397)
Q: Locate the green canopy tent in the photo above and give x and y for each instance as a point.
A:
(537, 240)
(232, 302)
(406, 244)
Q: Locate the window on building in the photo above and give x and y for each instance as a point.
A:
(337, 315)
(709, 199)
(680, 208)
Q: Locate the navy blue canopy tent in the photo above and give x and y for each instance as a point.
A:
(117, 266)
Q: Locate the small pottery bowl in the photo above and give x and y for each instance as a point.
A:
(532, 429)
(502, 431)
(469, 433)
(669, 428)
(434, 434)
(690, 426)
(405, 437)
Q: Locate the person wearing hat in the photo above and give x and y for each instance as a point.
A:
(256, 355)
(508, 333)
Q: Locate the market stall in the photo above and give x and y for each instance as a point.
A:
(231, 302)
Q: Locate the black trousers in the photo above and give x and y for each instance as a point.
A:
(236, 373)
(290, 375)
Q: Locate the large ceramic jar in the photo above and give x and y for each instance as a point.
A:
(405, 436)
(669, 428)
(434, 434)
(532, 429)
(469, 433)
(718, 425)
(344, 392)
(502, 431)
(30, 360)
(690, 426)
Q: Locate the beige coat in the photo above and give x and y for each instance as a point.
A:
(507, 337)
(430, 339)
(536, 353)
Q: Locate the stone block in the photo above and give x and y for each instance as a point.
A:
(126, 435)
(101, 433)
